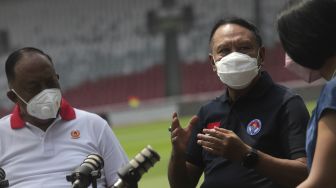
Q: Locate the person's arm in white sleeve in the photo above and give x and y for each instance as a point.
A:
(113, 154)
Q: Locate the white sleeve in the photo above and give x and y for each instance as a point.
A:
(113, 154)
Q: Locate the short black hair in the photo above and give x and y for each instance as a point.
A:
(239, 21)
(307, 31)
(15, 56)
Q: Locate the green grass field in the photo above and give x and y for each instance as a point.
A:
(135, 137)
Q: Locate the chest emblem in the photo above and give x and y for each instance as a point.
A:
(75, 134)
(253, 127)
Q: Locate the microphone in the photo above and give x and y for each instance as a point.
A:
(131, 173)
(3, 183)
(87, 172)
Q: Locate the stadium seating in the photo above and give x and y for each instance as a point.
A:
(104, 54)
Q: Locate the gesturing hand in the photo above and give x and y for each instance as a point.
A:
(180, 136)
(223, 142)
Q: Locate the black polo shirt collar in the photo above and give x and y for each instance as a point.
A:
(264, 83)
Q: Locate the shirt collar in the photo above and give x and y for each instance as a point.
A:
(264, 83)
(258, 90)
(67, 113)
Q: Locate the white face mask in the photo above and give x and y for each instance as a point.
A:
(237, 70)
(44, 105)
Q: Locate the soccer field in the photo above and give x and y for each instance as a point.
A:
(134, 138)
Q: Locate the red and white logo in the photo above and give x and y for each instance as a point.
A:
(75, 134)
(253, 127)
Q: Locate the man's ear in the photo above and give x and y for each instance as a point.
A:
(262, 53)
(211, 60)
(11, 95)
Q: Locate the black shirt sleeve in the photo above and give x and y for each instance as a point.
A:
(294, 120)
(194, 151)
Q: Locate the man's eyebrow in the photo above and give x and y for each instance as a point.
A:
(243, 40)
(222, 45)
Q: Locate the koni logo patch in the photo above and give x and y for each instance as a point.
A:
(253, 127)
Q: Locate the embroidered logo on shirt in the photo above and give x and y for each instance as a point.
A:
(213, 125)
(253, 127)
(75, 134)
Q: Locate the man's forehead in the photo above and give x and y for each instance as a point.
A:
(233, 32)
(32, 66)
(32, 60)
(33, 57)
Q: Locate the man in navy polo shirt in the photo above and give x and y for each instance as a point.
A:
(251, 136)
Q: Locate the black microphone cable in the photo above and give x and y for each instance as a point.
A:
(3, 182)
(87, 172)
(131, 173)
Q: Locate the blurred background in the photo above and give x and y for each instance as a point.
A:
(135, 62)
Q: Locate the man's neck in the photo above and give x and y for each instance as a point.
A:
(41, 124)
(235, 94)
